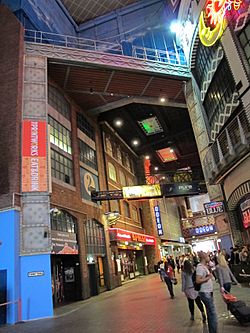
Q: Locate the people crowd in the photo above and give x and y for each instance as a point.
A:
(198, 270)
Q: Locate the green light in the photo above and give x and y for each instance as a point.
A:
(147, 127)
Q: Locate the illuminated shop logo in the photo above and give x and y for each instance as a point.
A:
(158, 220)
(212, 21)
(203, 230)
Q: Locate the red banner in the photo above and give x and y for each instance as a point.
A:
(34, 159)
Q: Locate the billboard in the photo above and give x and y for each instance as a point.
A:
(34, 156)
(63, 242)
(141, 192)
(180, 189)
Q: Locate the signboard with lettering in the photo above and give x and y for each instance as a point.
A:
(63, 242)
(35, 274)
(117, 234)
(180, 189)
(142, 192)
(34, 156)
(215, 207)
(207, 229)
(245, 212)
(158, 220)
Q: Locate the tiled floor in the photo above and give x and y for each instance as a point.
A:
(140, 306)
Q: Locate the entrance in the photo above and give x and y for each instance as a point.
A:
(3, 295)
(66, 281)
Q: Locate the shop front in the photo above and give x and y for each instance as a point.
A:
(131, 251)
(65, 262)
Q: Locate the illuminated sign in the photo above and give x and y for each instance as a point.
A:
(117, 234)
(151, 126)
(245, 213)
(215, 207)
(166, 155)
(34, 156)
(158, 220)
(180, 189)
(208, 229)
(212, 21)
(141, 192)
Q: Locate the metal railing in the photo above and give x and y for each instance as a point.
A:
(15, 313)
(231, 144)
(41, 37)
(167, 56)
(173, 57)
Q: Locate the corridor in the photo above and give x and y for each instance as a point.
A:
(141, 305)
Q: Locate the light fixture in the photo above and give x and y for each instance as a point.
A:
(111, 94)
(135, 142)
(163, 99)
(118, 123)
(156, 168)
(171, 150)
(175, 27)
(163, 177)
(126, 243)
(147, 157)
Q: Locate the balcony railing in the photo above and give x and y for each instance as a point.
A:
(172, 57)
(231, 145)
(71, 41)
(168, 56)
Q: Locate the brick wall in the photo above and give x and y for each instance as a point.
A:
(11, 73)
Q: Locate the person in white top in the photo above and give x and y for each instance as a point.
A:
(204, 278)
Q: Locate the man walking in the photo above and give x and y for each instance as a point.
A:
(204, 278)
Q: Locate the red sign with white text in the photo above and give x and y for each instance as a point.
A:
(129, 236)
(34, 160)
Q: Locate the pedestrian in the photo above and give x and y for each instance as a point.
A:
(177, 260)
(204, 278)
(161, 270)
(168, 276)
(225, 276)
(188, 288)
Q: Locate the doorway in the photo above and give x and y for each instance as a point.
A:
(3, 295)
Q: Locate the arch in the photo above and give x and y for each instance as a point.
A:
(237, 194)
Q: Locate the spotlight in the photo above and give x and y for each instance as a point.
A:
(118, 123)
(175, 27)
(171, 150)
(163, 99)
(147, 157)
(135, 142)
(156, 168)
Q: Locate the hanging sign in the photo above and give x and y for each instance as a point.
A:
(158, 220)
(212, 21)
(214, 207)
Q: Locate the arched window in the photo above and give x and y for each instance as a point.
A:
(112, 172)
(62, 221)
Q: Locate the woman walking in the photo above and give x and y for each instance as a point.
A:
(225, 276)
(188, 288)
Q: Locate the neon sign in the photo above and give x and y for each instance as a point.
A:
(212, 21)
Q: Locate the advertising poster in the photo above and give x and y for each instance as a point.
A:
(89, 182)
(34, 160)
(63, 242)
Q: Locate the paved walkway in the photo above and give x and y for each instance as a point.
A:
(142, 305)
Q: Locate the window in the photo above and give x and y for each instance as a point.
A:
(112, 172)
(220, 91)
(63, 221)
(115, 206)
(109, 146)
(61, 167)
(126, 209)
(203, 60)
(95, 240)
(244, 38)
(58, 102)
(122, 178)
(87, 155)
(119, 154)
(60, 136)
(135, 213)
(85, 127)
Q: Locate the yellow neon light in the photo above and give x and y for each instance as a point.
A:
(209, 37)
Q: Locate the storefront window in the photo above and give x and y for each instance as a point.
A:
(95, 240)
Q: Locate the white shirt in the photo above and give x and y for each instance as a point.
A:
(206, 287)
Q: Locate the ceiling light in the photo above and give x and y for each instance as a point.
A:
(147, 157)
(135, 142)
(118, 122)
(163, 177)
(111, 94)
(175, 27)
(171, 150)
(156, 168)
(163, 99)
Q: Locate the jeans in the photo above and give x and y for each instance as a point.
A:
(169, 285)
(207, 299)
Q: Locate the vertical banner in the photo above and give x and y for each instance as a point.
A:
(34, 159)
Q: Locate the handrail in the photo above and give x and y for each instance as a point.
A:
(172, 57)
